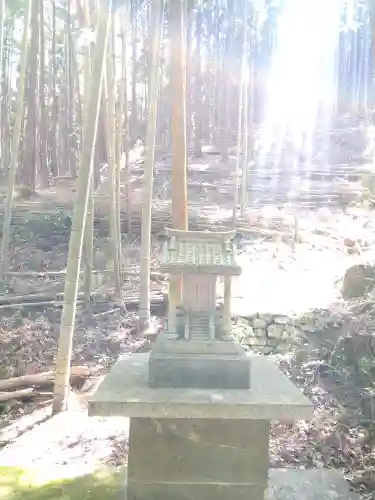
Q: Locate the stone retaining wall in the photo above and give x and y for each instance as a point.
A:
(271, 333)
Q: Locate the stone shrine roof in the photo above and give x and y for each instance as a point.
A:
(200, 252)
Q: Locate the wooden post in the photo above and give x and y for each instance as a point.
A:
(227, 322)
(179, 151)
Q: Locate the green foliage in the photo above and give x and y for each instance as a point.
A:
(21, 484)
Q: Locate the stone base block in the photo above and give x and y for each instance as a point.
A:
(188, 491)
(199, 371)
(203, 459)
(198, 365)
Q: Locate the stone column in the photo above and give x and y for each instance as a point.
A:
(227, 323)
(201, 459)
(172, 304)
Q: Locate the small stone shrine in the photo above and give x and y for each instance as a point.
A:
(197, 351)
(199, 406)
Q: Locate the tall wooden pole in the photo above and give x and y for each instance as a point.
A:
(177, 11)
(178, 87)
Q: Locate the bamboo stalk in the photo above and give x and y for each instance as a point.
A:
(79, 215)
(19, 105)
(144, 310)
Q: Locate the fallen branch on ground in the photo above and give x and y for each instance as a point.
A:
(42, 379)
(273, 233)
(47, 303)
(23, 394)
(131, 302)
(131, 271)
(33, 297)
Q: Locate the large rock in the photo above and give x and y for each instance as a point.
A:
(259, 324)
(275, 331)
(358, 280)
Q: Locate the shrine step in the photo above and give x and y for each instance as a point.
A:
(313, 484)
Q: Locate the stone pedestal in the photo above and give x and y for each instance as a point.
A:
(201, 365)
(196, 443)
(210, 459)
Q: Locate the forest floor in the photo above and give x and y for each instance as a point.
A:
(280, 277)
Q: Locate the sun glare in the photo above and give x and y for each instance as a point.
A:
(301, 81)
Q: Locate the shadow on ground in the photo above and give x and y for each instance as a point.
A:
(22, 484)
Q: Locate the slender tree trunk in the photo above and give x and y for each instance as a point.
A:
(243, 197)
(198, 89)
(134, 110)
(126, 132)
(120, 111)
(157, 19)
(116, 150)
(89, 226)
(179, 150)
(2, 17)
(43, 119)
(70, 103)
(54, 105)
(79, 214)
(15, 144)
(226, 77)
(178, 87)
(109, 108)
(242, 110)
(31, 158)
(4, 122)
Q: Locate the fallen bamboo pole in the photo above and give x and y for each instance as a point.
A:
(23, 394)
(42, 379)
(134, 271)
(46, 303)
(156, 300)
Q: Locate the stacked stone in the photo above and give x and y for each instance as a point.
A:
(268, 333)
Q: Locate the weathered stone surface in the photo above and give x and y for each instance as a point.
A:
(249, 332)
(259, 323)
(164, 345)
(191, 491)
(315, 484)
(273, 342)
(198, 450)
(260, 332)
(268, 349)
(358, 280)
(282, 320)
(268, 317)
(199, 251)
(125, 392)
(200, 371)
(308, 328)
(288, 484)
(334, 319)
(254, 341)
(243, 322)
(275, 331)
(197, 458)
(292, 332)
(198, 364)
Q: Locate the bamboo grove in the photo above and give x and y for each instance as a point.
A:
(84, 81)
